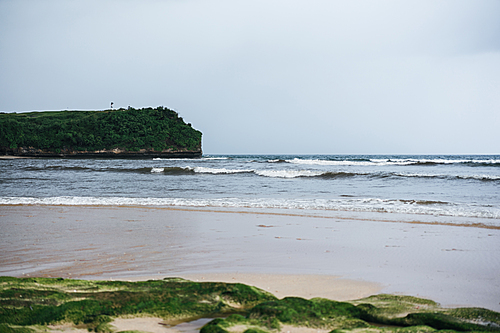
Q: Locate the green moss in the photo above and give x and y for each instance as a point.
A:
(26, 303)
(442, 321)
(374, 329)
(214, 327)
(33, 301)
(418, 312)
(476, 315)
(317, 312)
(387, 316)
(255, 330)
(394, 305)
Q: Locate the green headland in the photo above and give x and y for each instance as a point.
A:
(31, 304)
(146, 132)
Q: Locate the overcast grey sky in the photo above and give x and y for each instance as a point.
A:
(269, 76)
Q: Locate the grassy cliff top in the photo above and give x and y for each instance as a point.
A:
(156, 129)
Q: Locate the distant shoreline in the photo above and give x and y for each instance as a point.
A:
(12, 157)
(91, 155)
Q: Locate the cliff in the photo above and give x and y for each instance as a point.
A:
(128, 133)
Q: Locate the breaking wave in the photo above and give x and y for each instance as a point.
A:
(264, 173)
(347, 204)
(384, 162)
(190, 159)
(272, 173)
(441, 176)
(291, 173)
(218, 170)
(288, 173)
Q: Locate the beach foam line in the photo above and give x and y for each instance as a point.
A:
(269, 213)
(409, 207)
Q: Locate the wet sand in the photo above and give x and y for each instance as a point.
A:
(288, 255)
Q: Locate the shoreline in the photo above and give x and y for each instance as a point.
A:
(107, 155)
(453, 266)
(339, 215)
(13, 157)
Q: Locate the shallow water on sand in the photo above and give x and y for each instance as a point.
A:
(454, 265)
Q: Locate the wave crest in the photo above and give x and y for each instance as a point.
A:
(219, 171)
(394, 162)
(288, 173)
(347, 204)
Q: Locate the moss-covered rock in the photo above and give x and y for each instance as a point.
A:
(25, 304)
(380, 313)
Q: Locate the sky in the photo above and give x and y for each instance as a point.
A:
(269, 76)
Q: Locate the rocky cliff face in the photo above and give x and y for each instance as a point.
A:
(105, 153)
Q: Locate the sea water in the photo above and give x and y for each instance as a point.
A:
(457, 189)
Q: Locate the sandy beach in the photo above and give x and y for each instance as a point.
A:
(303, 256)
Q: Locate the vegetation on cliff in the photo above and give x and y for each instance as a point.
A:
(28, 305)
(152, 129)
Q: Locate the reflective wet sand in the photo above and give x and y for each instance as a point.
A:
(450, 264)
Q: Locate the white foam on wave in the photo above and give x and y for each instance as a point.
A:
(327, 162)
(479, 177)
(372, 162)
(215, 158)
(407, 161)
(288, 173)
(384, 161)
(284, 173)
(219, 171)
(452, 161)
(190, 159)
(346, 205)
(263, 173)
(430, 175)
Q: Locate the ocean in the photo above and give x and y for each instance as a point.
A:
(438, 189)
